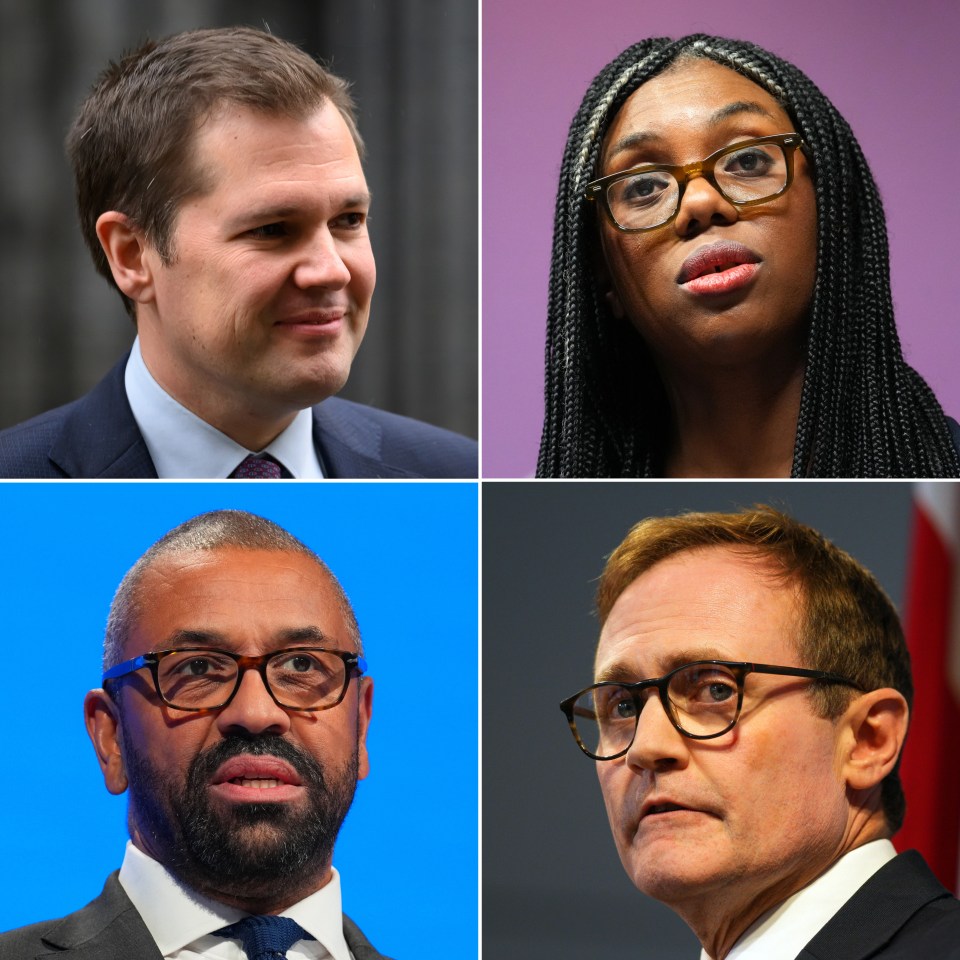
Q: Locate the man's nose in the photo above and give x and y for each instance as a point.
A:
(657, 743)
(320, 263)
(252, 710)
(703, 205)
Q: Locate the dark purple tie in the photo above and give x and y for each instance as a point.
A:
(265, 938)
(257, 468)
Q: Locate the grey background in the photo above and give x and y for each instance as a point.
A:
(413, 66)
(553, 886)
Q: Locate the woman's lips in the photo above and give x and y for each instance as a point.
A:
(724, 281)
(719, 267)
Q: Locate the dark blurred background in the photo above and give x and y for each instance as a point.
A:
(553, 886)
(413, 66)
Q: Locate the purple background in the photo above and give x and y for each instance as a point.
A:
(890, 69)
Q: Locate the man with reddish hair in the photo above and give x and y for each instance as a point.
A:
(750, 701)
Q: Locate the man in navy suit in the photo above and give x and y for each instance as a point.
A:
(234, 710)
(750, 700)
(221, 192)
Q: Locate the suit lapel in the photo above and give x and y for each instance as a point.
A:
(877, 911)
(350, 448)
(100, 438)
(359, 945)
(108, 928)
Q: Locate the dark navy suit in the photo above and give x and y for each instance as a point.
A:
(901, 913)
(110, 928)
(97, 437)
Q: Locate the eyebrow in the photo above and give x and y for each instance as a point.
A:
(213, 638)
(643, 137)
(193, 638)
(285, 211)
(303, 635)
(619, 672)
(359, 200)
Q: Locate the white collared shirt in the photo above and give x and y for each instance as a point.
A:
(182, 921)
(781, 933)
(184, 447)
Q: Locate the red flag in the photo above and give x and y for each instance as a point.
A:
(931, 761)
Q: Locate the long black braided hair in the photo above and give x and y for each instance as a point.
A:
(863, 411)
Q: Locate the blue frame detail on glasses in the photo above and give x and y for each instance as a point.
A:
(128, 666)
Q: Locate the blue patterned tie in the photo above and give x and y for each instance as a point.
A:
(265, 938)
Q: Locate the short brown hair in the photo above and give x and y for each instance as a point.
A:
(849, 626)
(132, 140)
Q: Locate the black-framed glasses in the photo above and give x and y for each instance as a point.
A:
(199, 678)
(748, 172)
(703, 700)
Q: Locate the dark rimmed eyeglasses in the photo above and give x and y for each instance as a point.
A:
(199, 678)
(703, 700)
(648, 196)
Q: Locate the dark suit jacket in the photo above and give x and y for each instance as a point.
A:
(901, 913)
(109, 928)
(97, 437)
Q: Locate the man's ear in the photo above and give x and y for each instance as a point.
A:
(364, 712)
(103, 727)
(877, 724)
(130, 256)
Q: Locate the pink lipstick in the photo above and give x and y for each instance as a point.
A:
(720, 267)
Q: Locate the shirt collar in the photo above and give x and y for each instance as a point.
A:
(184, 447)
(177, 916)
(796, 921)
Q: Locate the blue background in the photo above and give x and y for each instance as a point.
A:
(406, 555)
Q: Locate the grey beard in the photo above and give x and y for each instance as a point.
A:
(248, 851)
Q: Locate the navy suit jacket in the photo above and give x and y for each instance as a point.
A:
(901, 913)
(110, 928)
(97, 437)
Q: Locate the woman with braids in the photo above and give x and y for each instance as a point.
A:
(719, 293)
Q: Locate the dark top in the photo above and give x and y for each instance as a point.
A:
(901, 913)
(110, 928)
(97, 437)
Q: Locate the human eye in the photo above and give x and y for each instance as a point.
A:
(754, 161)
(351, 220)
(709, 685)
(269, 231)
(300, 662)
(200, 665)
(643, 189)
(305, 666)
(624, 708)
(613, 704)
(315, 671)
(196, 667)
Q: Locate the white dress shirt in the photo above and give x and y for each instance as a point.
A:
(184, 447)
(182, 921)
(782, 932)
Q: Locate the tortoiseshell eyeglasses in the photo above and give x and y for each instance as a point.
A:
(703, 700)
(197, 678)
